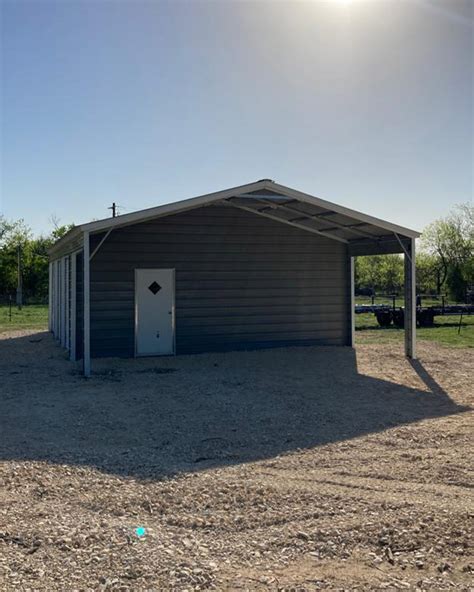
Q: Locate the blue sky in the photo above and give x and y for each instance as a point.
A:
(365, 103)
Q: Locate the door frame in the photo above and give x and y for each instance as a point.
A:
(173, 309)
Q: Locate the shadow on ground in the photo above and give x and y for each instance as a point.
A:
(156, 417)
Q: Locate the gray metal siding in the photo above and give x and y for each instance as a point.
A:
(242, 281)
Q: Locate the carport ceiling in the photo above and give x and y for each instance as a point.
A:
(307, 216)
(319, 216)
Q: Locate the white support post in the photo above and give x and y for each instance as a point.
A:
(72, 350)
(53, 312)
(410, 301)
(63, 301)
(66, 297)
(58, 301)
(352, 301)
(67, 284)
(50, 297)
(56, 294)
(66, 302)
(58, 285)
(87, 303)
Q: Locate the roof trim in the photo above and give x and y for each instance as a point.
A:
(210, 198)
(171, 208)
(155, 212)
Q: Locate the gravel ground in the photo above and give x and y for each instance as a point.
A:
(290, 469)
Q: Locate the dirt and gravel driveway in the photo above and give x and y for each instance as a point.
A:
(292, 469)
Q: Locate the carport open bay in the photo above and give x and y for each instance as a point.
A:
(246, 469)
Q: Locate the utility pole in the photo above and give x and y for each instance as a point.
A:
(19, 289)
(113, 207)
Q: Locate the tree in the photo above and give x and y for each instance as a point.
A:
(379, 273)
(392, 273)
(367, 273)
(13, 234)
(457, 284)
(451, 241)
(426, 273)
(34, 256)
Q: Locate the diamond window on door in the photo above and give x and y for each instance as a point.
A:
(154, 288)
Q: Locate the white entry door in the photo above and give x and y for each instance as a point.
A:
(154, 312)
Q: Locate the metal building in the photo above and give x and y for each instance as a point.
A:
(260, 265)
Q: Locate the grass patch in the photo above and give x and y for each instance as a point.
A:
(444, 331)
(31, 316)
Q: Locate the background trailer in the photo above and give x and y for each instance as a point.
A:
(260, 265)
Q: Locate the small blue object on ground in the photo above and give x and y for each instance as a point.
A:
(140, 531)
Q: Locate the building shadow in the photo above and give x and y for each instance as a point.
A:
(156, 417)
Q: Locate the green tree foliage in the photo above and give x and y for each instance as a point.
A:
(445, 261)
(16, 235)
(450, 241)
(426, 273)
(381, 274)
(457, 283)
(12, 234)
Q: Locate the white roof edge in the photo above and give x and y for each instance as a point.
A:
(149, 213)
(171, 208)
(68, 237)
(201, 200)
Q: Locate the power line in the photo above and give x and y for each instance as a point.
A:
(116, 209)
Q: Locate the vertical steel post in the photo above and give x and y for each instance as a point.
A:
(87, 302)
(352, 301)
(50, 297)
(72, 351)
(410, 300)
